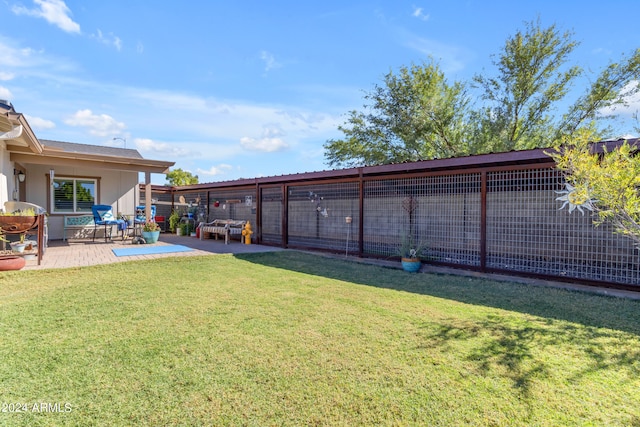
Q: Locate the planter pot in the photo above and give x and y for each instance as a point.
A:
(178, 231)
(411, 265)
(151, 236)
(18, 247)
(11, 262)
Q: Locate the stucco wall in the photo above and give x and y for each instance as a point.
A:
(7, 182)
(116, 188)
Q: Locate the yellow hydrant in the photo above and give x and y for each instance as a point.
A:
(247, 233)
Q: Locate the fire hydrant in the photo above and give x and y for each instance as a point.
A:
(247, 233)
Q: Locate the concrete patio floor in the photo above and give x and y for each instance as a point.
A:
(79, 253)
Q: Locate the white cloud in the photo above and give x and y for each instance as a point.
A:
(109, 40)
(4, 76)
(418, 13)
(220, 169)
(630, 96)
(270, 62)
(99, 125)
(27, 62)
(146, 145)
(140, 48)
(5, 94)
(269, 141)
(55, 12)
(38, 123)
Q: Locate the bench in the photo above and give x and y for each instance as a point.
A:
(222, 227)
(77, 222)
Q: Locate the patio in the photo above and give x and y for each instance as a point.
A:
(81, 253)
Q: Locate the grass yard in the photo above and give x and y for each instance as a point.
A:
(292, 339)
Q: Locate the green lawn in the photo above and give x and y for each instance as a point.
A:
(292, 339)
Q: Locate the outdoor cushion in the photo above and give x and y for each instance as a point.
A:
(103, 215)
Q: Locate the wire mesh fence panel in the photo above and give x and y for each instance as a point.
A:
(163, 200)
(271, 215)
(192, 204)
(237, 204)
(442, 212)
(528, 232)
(317, 216)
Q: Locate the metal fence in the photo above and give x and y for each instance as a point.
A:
(494, 213)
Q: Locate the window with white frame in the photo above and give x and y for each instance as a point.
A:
(73, 195)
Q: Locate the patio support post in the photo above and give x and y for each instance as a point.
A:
(147, 196)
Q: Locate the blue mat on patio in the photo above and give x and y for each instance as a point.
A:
(150, 250)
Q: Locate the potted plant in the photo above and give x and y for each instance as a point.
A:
(150, 232)
(174, 219)
(186, 228)
(411, 252)
(20, 245)
(9, 261)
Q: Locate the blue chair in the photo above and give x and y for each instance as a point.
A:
(141, 217)
(103, 215)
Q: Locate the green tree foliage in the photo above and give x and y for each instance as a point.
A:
(531, 79)
(416, 114)
(607, 182)
(177, 177)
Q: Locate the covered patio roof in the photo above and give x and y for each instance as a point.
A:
(57, 153)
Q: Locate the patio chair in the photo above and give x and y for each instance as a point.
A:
(141, 216)
(103, 215)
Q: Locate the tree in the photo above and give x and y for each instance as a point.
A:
(617, 83)
(605, 183)
(418, 115)
(529, 83)
(415, 115)
(177, 177)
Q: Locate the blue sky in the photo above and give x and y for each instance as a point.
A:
(233, 90)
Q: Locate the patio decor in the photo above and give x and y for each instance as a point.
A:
(150, 250)
(103, 215)
(11, 262)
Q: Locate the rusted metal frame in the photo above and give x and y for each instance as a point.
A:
(208, 197)
(483, 221)
(360, 215)
(258, 225)
(529, 275)
(282, 211)
(425, 173)
(285, 215)
(566, 279)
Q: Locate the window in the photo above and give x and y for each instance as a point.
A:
(71, 195)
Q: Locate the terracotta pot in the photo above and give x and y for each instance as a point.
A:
(10, 262)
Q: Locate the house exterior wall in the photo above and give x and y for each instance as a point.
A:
(116, 188)
(7, 182)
